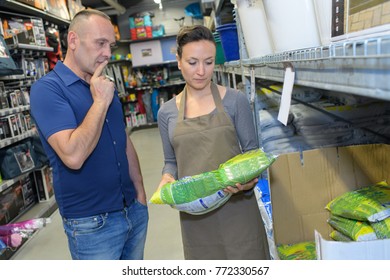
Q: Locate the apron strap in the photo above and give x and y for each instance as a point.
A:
(180, 116)
(216, 97)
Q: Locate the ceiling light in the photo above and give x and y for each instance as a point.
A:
(121, 10)
(160, 6)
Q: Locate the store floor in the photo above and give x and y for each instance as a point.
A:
(163, 240)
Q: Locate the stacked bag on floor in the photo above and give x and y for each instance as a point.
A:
(361, 215)
(202, 193)
(298, 251)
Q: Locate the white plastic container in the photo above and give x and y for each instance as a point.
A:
(293, 24)
(323, 10)
(254, 27)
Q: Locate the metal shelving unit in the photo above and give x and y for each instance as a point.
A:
(358, 67)
(30, 10)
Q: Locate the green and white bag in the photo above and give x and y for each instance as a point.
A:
(202, 193)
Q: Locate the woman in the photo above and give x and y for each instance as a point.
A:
(203, 126)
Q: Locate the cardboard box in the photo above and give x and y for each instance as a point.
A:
(367, 250)
(360, 18)
(303, 184)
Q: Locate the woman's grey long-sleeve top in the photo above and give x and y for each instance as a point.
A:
(236, 105)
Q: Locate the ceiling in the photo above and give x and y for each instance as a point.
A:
(137, 5)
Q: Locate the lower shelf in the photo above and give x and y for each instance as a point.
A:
(39, 210)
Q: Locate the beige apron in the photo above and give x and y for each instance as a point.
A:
(235, 230)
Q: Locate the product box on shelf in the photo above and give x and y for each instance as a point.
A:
(303, 184)
(39, 4)
(140, 21)
(29, 192)
(39, 31)
(23, 30)
(5, 129)
(358, 18)
(168, 48)
(18, 30)
(146, 53)
(143, 32)
(44, 183)
(3, 97)
(140, 26)
(13, 124)
(58, 8)
(74, 6)
(11, 201)
(158, 30)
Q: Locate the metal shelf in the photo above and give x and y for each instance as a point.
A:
(9, 141)
(30, 10)
(360, 67)
(9, 111)
(26, 47)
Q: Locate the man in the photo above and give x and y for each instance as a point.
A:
(97, 178)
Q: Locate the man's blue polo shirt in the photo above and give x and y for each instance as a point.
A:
(60, 100)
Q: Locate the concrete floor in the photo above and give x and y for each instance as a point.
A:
(164, 238)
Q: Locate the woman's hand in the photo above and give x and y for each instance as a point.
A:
(166, 178)
(238, 187)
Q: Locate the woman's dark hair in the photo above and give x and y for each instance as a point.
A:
(194, 33)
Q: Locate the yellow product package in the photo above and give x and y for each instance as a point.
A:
(382, 228)
(366, 204)
(338, 236)
(202, 193)
(298, 251)
(356, 230)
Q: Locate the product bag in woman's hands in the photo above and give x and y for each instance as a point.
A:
(202, 193)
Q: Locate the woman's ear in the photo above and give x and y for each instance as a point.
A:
(178, 62)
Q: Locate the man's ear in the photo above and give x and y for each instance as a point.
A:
(72, 39)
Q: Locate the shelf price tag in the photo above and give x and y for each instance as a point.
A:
(253, 85)
(285, 102)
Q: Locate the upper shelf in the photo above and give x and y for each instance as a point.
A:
(359, 67)
(30, 10)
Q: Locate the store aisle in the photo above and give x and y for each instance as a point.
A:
(163, 239)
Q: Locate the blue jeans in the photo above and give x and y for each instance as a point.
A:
(116, 235)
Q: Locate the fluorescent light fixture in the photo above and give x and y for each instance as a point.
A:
(160, 6)
(121, 10)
